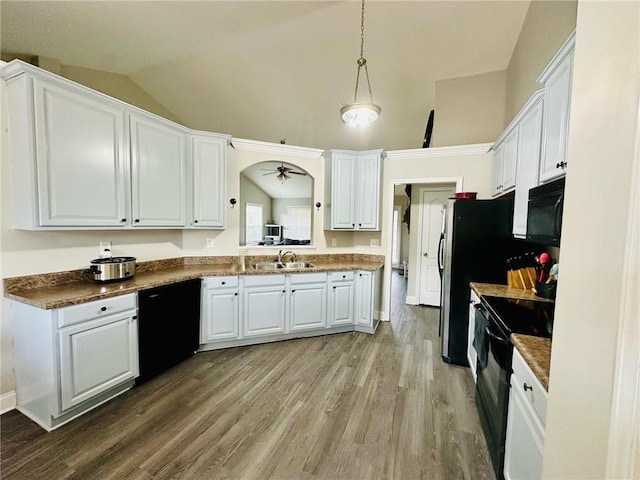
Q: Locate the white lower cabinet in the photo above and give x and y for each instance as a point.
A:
(220, 317)
(472, 355)
(525, 424)
(263, 305)
(307, 301)
(341, 298)
(367, 289)
(85, 355)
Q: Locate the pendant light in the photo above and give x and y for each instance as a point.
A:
(360, 114)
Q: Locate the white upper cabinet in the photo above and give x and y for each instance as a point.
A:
(530, 128)
(209, 160)
(83, 160)
(352, 183)
(557, 78)
(503, 167)
(158, 168)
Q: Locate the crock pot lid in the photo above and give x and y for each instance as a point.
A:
(113, 260)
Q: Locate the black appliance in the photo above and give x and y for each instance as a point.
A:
(475, 242)
(496, 319)
(544, 213)
(168, 326)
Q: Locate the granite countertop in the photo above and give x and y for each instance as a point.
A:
(536, 351)
(61, 289)
(494, 290)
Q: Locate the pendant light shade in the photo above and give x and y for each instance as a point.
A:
(359, 114)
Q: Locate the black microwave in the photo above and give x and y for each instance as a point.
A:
(544, 213)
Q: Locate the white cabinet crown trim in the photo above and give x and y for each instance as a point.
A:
(533, 100)
(565, 50)
(454, 151)
(275, 149)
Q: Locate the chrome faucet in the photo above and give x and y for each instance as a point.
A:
(282, 255)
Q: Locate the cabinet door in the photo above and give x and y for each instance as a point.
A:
(341, 304)
(158, 173)
(557, 95)
(81, 159)
(368, 191)
(364, 299)
(220, 318)
(496, 169)
(528, 165)
(308, 306)
(209, 180)
(509, 161)
(95, 356)
(524, 446)
(343, 190)
(263, 310)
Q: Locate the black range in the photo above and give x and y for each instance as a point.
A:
(529, 317)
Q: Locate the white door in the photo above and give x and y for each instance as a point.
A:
(209, 180)
(95, 356)
(82, 166)
(432, 208)
(263, 306)
(364, 299)
(307, 306)
(158, 163)
(341, 305)
(343, 190)
(368, 191)
(221, 321)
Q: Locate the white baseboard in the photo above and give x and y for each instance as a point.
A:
(410, 300)
(7, 401)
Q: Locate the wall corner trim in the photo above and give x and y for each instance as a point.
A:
(7, 401)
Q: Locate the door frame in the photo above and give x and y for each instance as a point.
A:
(388, 209)
(418, 253)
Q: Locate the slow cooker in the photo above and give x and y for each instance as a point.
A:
(110, 269)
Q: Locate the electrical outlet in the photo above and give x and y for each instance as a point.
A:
(374, 242)
(105, 249)
(334, 242)
(210, 243)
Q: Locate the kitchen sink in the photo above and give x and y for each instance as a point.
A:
(298, 265)
(268, 266)
(281, 266)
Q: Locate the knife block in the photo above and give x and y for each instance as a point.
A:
(522, 279)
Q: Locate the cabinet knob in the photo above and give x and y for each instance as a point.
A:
(195, 221)
(103, 309)
(123, 220)
(344, 276)
(353, 224)
(135, 317)
(527, 387)
(425, 254)
(236, 294)
(224, 283)
(293, 291)
(137, 220)
(359, 224)
(334, 288)
(284, 291)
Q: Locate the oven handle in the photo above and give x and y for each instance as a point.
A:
(493, 336)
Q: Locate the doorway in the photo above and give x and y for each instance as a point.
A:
(431, 208)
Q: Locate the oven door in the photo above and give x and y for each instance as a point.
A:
(492, 389)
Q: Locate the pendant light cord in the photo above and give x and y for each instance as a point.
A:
(362, 62)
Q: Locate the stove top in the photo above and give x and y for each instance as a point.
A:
(522, 316)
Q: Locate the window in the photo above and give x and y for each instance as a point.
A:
(253, 223)
(395, 241)
(298, 226)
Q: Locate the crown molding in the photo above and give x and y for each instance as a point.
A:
(275, 148)
(455, 151)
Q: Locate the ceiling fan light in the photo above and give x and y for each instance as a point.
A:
(360, 114)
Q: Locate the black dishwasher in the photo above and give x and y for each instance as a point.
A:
(168, 326)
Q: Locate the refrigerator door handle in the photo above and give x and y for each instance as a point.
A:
(441, 253)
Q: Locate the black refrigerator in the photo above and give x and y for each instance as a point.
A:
(476, 241)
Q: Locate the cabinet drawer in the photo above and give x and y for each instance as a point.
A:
(221, 282)
(97, 309)
(341, 276)
(525, 380)
(258, 280)
(297, 278)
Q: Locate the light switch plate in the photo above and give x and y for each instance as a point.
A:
(334, 242)
(374, 242)
(210, 243)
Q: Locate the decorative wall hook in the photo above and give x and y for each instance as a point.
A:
(233, 202)
(318, 205)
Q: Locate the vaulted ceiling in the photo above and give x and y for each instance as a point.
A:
(276, 70)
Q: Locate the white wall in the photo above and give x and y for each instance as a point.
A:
(252, 193)
(604, 112)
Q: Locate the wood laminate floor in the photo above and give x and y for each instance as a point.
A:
(344, 406)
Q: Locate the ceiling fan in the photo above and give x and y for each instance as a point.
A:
(283, 173)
